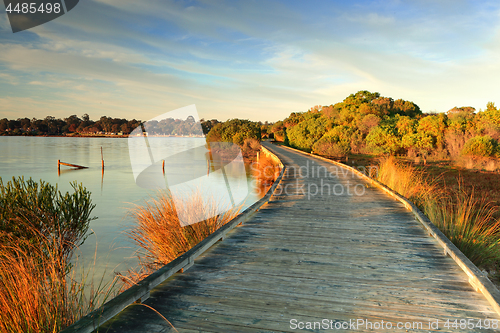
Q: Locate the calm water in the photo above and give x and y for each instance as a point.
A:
(113, 193)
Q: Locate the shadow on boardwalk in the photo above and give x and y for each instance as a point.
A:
(320, 259)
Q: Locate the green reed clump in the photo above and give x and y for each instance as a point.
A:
(465, 219)
(47, 210)
(39, 229)
(468, 222)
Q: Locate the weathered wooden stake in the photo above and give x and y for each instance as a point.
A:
(102, 160)
(59, 163)
(163, 167)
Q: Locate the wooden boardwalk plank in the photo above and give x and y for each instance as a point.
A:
(311, 257)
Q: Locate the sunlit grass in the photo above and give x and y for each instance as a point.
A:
(468, 222)
(40, 228)
(159, 234)
(465, 219)
(406, 180)
(265, 170)
(38, 292)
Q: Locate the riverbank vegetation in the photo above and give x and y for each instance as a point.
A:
(41, 289)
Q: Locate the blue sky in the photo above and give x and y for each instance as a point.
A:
(252, 59)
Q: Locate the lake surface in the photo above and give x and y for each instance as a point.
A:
(113, 192)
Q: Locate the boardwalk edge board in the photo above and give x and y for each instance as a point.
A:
(477, 279)
(141, 290)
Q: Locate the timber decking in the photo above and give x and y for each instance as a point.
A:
(309, 257)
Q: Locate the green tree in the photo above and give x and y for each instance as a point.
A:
(306, 133)
(382, 140)
(480, 146)
(235, 130)
(335, 142)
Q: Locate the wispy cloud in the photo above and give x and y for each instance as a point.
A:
(249, 59)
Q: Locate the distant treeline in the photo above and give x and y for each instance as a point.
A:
(105, 125)
(368, 123)
(363, 123)
(73, 124)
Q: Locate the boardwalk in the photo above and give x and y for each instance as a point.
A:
(354, 256)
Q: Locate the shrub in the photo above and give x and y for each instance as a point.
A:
(480, 146)
(65, 217)
(305, 134)
(249, 149)
(382, 141)
(329, 147)
(251, 144)
(235, 130)
(335, 143)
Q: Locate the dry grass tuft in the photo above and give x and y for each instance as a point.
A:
(159, 233)
(406, 180)
(468, 222)
(37, 292)
(266, 170)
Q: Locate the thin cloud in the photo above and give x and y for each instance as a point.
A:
(250, 59)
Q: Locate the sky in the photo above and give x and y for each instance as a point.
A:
(251, 59)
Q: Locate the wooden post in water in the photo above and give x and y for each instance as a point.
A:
(102, 160)
(58, 167)
(163, 167)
